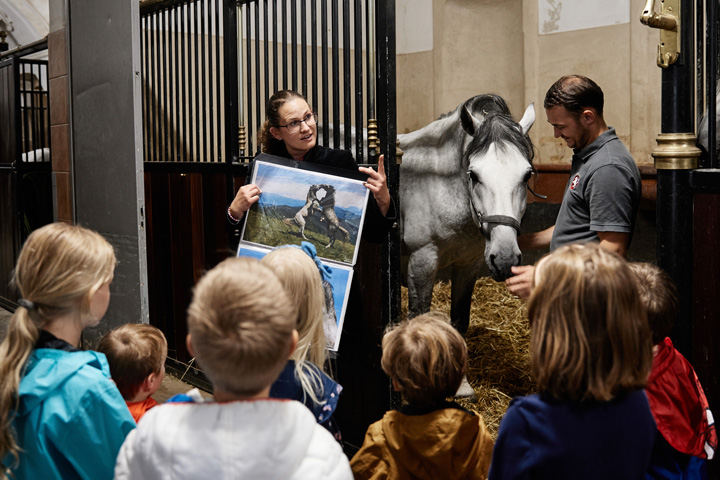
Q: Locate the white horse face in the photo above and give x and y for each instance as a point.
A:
(497, 182)
(498, 193)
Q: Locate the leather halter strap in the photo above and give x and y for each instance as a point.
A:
(499, 220)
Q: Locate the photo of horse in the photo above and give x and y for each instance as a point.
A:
(337, 290)
(300, 205)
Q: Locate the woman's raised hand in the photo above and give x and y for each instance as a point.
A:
(377, 184)
(245, 197)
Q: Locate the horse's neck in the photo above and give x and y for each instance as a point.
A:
(433, 135)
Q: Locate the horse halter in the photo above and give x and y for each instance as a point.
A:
(506, 220)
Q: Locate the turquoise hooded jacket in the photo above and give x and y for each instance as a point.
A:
(71, 419)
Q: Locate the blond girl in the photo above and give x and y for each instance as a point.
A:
(62, 417)
(304, 378)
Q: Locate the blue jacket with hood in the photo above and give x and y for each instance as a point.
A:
(71, 419)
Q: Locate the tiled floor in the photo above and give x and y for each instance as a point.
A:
(170, 385)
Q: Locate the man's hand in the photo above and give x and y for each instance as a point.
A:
(377, 184)
(522, 283)
(245, 197)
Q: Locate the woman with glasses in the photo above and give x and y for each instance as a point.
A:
(290, 131)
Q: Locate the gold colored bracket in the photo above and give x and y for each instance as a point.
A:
(668, 21)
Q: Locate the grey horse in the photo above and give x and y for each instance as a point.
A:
(463, 193)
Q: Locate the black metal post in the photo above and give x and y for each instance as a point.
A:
(674, 195)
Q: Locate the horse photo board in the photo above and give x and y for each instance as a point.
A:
(309, 203)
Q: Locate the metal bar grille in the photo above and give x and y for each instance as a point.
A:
(323, 42)
(184, 97)
(34, 124)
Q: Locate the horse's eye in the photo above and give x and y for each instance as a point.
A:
(527, 176)
(472, 176)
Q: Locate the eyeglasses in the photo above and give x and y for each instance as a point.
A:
(294, 127)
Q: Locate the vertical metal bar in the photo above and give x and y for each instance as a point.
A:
(163, 84)
(324, 72)
(293, 44)
(674, 195)
(232, 44)
(284, 45)
(204, 72)
(154, 87)
(146, 87)
(248, 63)
(347, 90)
(197, 156)
(183, 75)
(711, 76)
(25, 109)
(387, 116)
(172, 76)
(303, 48)
(266, 47)
(258, 82)
(240, 91)
(359, 137)
(313, 55)
(371, 58)
(335, 74)
(276, 85)
(218, 82)
(177, 29)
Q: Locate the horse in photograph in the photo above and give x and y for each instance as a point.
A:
(463, 186)
(330, 217)
(311, 204)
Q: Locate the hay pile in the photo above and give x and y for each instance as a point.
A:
(498, 347)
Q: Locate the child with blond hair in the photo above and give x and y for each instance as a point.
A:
(304, 378)
(61, 417)
(687, 438)
(428, 438)
(590, 356)
(136, 354)
(241, 330)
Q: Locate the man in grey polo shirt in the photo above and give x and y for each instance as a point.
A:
(603, 192)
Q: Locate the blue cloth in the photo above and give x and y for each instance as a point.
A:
(669, 464)
(71, 419)
(543, 438)
(288, 386)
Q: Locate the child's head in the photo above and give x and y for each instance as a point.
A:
(425, 357)
(589, 337)
(136, 354)
(659, 297)
(60, 272)
(301, 279)
(241, 326)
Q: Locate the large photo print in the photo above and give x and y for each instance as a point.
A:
(301, 205)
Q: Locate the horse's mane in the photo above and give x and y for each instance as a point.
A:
(497, 127)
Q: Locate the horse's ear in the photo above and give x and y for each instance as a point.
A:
(467, 121)
(528, 119)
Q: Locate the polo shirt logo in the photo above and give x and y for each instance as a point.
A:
(575, 181)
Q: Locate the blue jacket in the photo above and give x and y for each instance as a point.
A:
(71, 419)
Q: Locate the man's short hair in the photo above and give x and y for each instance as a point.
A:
(426, 357)
(241, 324)
(575, 93)
(133, 351)
(659, 296)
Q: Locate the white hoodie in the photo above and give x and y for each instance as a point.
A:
(259, 439)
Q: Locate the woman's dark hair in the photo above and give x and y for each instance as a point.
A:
(267, 142)
(575, 93)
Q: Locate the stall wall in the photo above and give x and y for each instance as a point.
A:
(518, 48)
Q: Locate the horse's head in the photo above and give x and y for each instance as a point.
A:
(499, 158)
